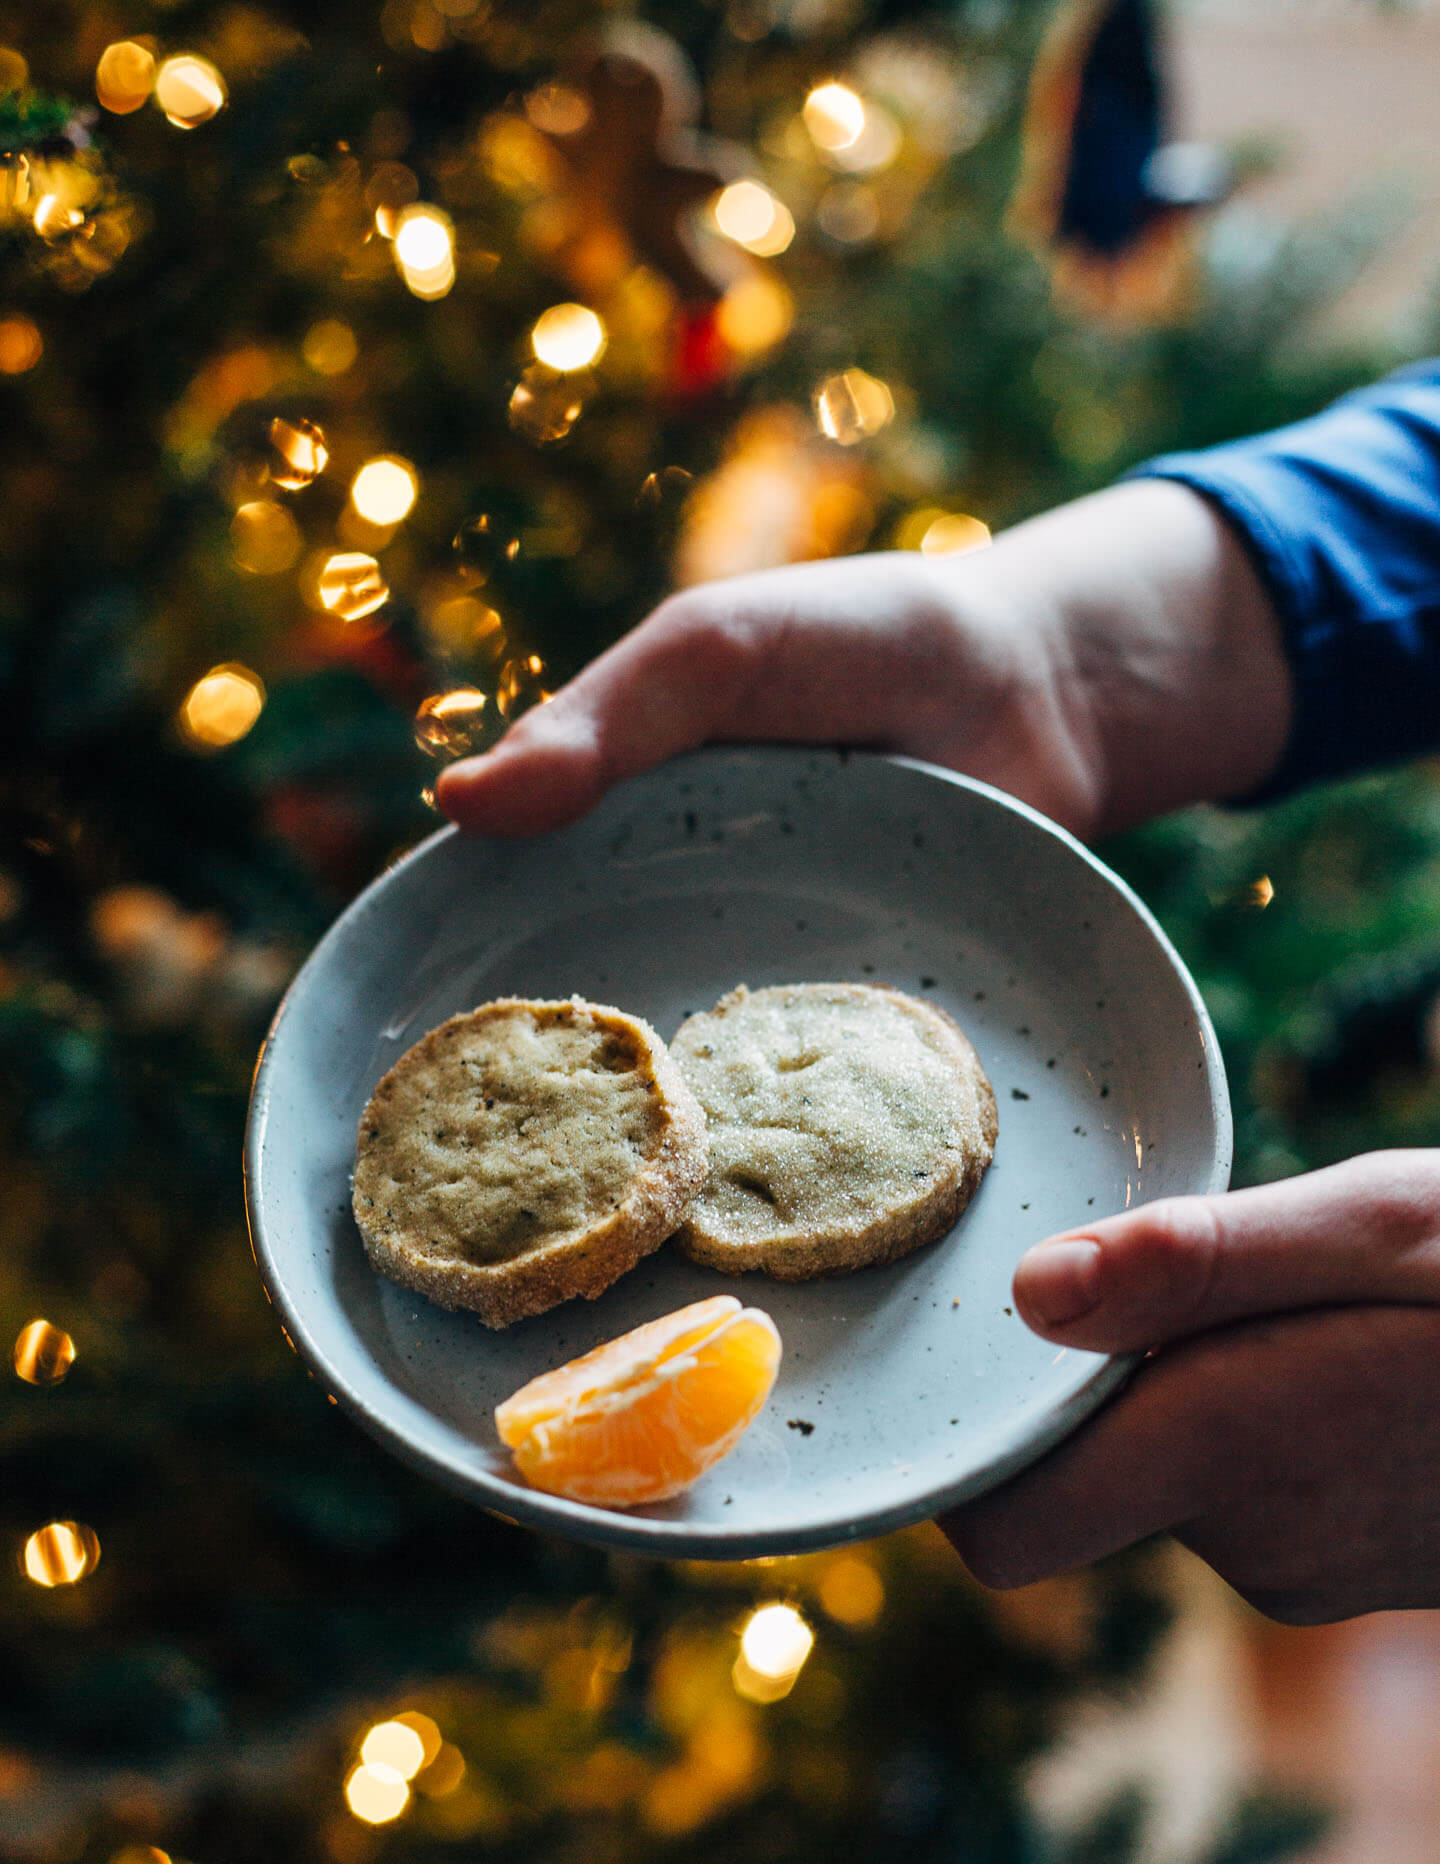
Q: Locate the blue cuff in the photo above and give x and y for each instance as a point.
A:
(1341, 516)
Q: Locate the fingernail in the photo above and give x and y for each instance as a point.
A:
(1061, 1281)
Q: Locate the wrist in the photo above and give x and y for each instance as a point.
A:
(1159, 642)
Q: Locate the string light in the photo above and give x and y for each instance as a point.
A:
(851, 1591)
(834, 116)
(301, 450)
(264, 538)
(451, 724)
(124, 77)
(329, 347)
(754, 218)
(61, 1554)
(43, 1353)
(222, 706)
(463, 624)
(774, 1647)
(444, 1774)
(352, 585)
(428, 1732)
(852, 406)
(392, 188)
(376, 1794)
(481, 545)
(189, 90)
(394, 1745)
(955, 534)
(755, 314)
(424, 249)
(568, 337)
(557, 110)
(21, 345)
(849, 212)
(874, 148)
(519, 685)
(54, 218)
(545, 404)
(385, 490)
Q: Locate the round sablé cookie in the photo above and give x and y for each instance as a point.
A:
(849, 1124)
(523, 1153)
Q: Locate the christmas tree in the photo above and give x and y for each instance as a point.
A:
(363, 371)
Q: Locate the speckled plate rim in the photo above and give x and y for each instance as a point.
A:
(1035, 1433)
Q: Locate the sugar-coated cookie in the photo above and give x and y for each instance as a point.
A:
(849, 1124)
(523, 1153)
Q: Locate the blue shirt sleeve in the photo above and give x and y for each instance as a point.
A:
(1341, 514)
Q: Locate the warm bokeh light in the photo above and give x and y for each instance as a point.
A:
(451, 724)
(300, 453)
(124, 77)
(568, 337)
(481, 545)
(43, 1353)
(755, 314)
(773, 1648)
(220, 708)
(853, 406)
(849, 213)
(264, 538)
(851, 1591)
(776, 1641)
(329, 347)
(376, 1794)
(385, 489)
(442, 1776)
(834, 116)
(461, 624)
(392, 188)
(876, 146)
(352, 585)
(955, 534)
(748, 213)
(396, 1746)
(21, 345)
(519, 686)
(1260, 892)
(54, 218)
(425, 250)
(423, 241)
(189, 90)
(545, 405)
(140, 1854)
(427, 1731)
(557, 109)
(61, 1554)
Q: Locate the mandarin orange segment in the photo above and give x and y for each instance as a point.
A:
(641, 1417)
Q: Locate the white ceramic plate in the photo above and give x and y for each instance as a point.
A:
(902, 1389)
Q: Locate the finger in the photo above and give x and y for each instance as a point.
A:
(1367, 1230)
(792, 654)
(1194, 1431)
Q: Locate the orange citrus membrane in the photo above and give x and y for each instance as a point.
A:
(639, 1418)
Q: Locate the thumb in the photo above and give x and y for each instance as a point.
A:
(667, 687)
(1367, 1230)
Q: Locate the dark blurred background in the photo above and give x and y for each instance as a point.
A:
(363, 371)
